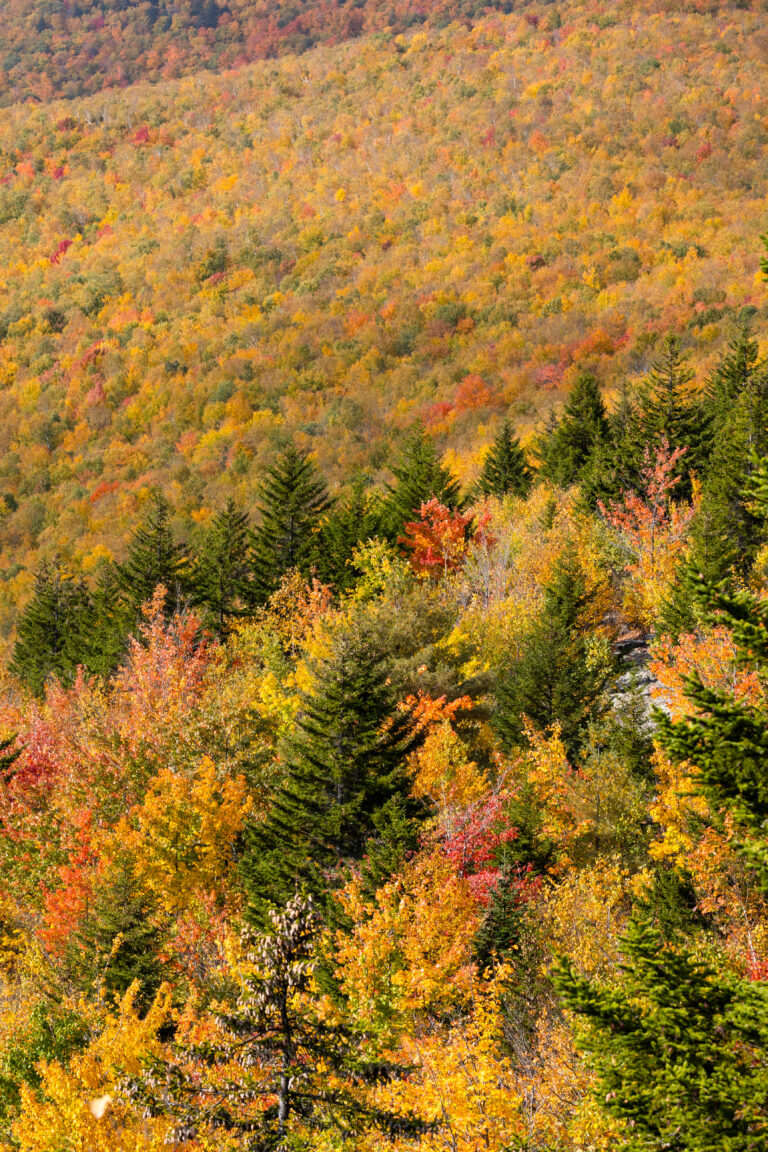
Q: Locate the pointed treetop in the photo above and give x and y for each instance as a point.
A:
(568, 442)
(419, 475)
(505, 469)
(292, 500)
(154, 557)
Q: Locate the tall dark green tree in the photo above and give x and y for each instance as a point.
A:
(615, 463)
(680, 1049)
(106, 625)
(223, 576)
(561, 676)
(669, 411)
(505, 469)
(154, 557)
(50, 1032)
(352, 521)
(51, 627)
(726, 533)
(738, 367)
(419, 476)
(120, 940)
(292, 501)
(727, 739)
(571, 438)
(347, 781)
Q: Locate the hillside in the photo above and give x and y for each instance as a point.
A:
(71, 49)
(383, 576)
(444, 227)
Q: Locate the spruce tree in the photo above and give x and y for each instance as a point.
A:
(50, 1032)
(670, 413)
(616, 461)
(346, 784)
(679, 1049)
(737, 369)
(726, 534)
(292, 502)
(106, 625)
(223, 577)
(50, 629)
(351, 522)
(560, 678)
(154, 557)
(419, 476)
(727, 739)
(567, 445)
(505, 469)
(120, 939)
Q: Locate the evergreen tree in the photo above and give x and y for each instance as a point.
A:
(346, 779)
(293, 499)
(8, 755)
(223, 577)
(154, 557)
(50, 629)
(726, 534)
(505, 469)
(567, 445)
(419, 476)
(727, 739)
(106, 625)
(560, 677)
(500, 929)
(350, 523)
(737, 369)
(120, 940)
(679, 1049)
(668, 411)
(50, 1032)
(616, 461)
(279, 1069)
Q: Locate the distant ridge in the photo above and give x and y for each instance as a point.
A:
(50, 49)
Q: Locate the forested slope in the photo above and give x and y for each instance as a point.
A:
(447, 226)
(384, 557)
(66, 50)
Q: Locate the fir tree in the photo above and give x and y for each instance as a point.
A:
(668, 411)
(223, 577)
(154, 557)
(419, 476)
(505, 469)
(346, 779)
(560, 677)
(567, 445)
(738, 367)
(726, 534)
(50, 629)
(278, 1069)
(106, 625)
(119, 940)
(679, 1049)
(727, 739)
(351, 522)
(293, 499)
(50, 1032)
(616, 461)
